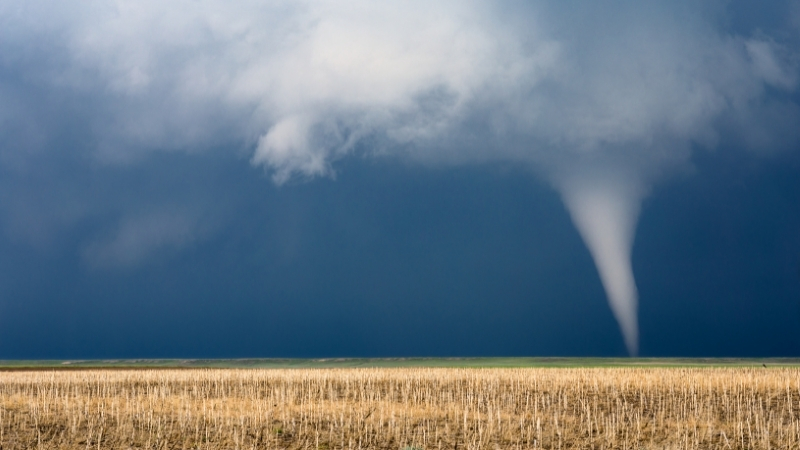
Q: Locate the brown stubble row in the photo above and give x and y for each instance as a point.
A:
(620, 408)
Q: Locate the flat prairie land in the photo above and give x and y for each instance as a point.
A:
(327, 363)
(402, 408)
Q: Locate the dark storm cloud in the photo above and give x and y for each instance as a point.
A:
(601, 99)
(301, 82)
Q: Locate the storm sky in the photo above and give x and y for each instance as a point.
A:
(401, 178)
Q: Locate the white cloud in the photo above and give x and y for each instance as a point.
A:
(301, 82)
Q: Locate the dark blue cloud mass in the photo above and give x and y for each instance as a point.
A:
(226, 143)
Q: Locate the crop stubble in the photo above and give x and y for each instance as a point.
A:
(424, 408)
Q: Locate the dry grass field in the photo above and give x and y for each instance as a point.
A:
(619, 408)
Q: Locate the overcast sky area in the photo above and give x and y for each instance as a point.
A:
(401, 178)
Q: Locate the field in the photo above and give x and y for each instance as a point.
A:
(327, 363)
(407, 407)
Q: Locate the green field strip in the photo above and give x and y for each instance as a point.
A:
(478, 362)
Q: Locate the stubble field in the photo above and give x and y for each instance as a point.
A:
(397, 408)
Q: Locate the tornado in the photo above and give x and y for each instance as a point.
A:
(605, 210)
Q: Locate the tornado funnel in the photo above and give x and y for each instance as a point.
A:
(605, 212)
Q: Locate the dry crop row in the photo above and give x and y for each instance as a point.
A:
(619, 408)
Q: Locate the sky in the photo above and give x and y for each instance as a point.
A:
(461, 178)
